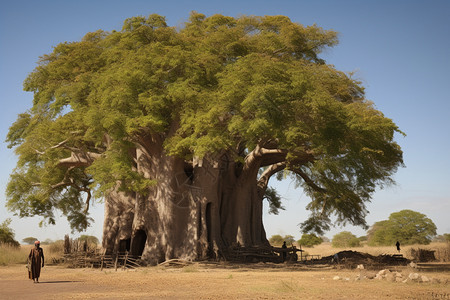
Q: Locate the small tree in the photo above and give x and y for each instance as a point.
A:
(278, 239)
(29, 240)
(7, 234)
(407, 226)
(345, 239)
(309, 240)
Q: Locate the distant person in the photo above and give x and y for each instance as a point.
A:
(398, 246)
(36, 259)
(283, 254)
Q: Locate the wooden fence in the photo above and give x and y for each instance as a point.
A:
(102, 261)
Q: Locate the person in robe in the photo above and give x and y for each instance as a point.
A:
(36, 259)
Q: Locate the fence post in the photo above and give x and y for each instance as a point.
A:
(125, 261)
(115, 264)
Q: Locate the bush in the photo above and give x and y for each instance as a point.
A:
(278, 239)
(7, 234)
(345, 239)
(310, 240)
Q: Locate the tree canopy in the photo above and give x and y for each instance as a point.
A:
(246, 85)
(7, 234)
(345, 239)
(406, 226)
(309, 240)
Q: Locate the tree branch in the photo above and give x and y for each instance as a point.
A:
(263, 180)
(309, 181)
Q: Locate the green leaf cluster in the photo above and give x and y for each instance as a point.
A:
(406, 226)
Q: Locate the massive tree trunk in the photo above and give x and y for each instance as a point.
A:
(195, 210)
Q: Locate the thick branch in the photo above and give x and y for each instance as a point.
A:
(79, 159)
(263, 180)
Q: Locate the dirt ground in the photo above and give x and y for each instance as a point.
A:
(200, 281)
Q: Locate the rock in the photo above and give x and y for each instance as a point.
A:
(382, 272)
(425, 278)
(379, 277)
(413, 265)
(405, 281)
(346, 278)
(399, 279)
(390, 277)
(414, 276)
(370, 276)
(336, 278)
(398, 274)
(360, 267)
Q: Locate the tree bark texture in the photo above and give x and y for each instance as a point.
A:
(196, 210)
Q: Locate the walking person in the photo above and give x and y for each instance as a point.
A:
(36, 259)
(398, 246)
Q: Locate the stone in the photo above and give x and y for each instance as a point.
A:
(413, 265)
(360, 267)
(399, 279)
(425, 278)
(336, 278)
(414, 276)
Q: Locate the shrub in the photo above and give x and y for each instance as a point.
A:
(310, 240)
(7, 234)
(345, 239)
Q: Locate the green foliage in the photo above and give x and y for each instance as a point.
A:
(345, 239)
(7, 234)
(29, 240)
(218, 84)
(274, 199)
(309, 240)
(406, 226)
(278, 239)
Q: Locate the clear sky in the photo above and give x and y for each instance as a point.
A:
(400, 50)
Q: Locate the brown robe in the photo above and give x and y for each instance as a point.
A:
(35, 260)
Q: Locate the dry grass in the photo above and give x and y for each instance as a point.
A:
(441, 254)
(12, 255)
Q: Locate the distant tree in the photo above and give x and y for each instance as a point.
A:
(442, 238)
(345, 239)
(407, 226)
(309, 240)
(29, 240)
(7, 234)
(289, 239)
(278, 239)
(362, 238)
(47, 242)
(325, 239)
(90, 239)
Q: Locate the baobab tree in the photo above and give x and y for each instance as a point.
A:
(180, 130)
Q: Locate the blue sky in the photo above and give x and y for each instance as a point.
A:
(398, 49)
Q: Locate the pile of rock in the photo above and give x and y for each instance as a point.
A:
(399, 277)
(393, 276)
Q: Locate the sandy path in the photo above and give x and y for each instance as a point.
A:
(197, 282)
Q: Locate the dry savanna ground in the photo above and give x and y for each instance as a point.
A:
(217, 281)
